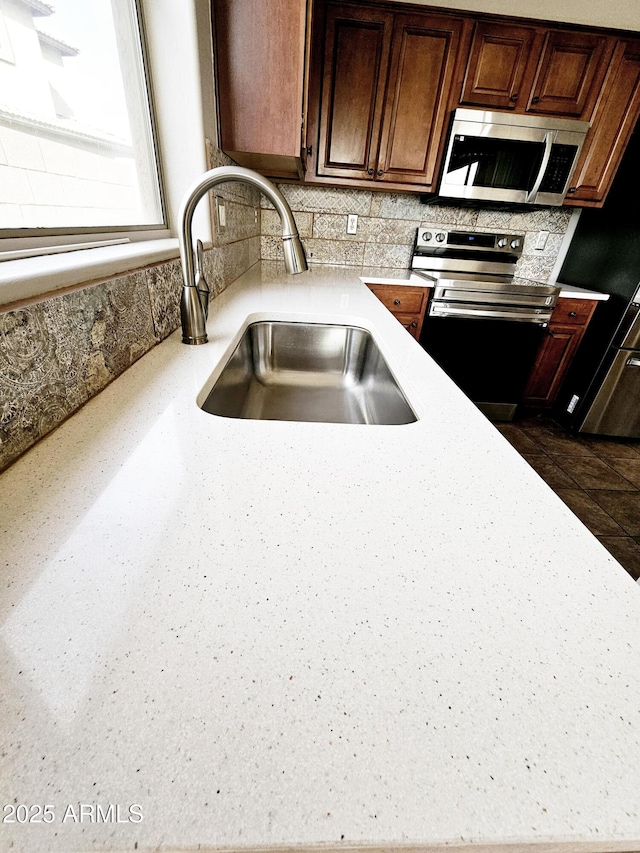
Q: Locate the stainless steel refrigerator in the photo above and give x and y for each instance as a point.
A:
(613, 399)
(601, 394)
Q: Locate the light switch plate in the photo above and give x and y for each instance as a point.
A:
(352, 223)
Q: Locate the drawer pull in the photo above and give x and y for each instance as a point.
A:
(573, 313)
(396, 302)
(414, 325)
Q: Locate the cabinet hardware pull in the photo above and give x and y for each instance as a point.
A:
(379, 172)
(573, 313)
(514, 97)
(369, 171)
(572, 189)
(396, 302)
(535, 100)
(310, 151)
(414, 325)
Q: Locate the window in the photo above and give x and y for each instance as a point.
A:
(76, 144)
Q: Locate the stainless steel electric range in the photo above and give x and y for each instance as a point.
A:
(484, 324)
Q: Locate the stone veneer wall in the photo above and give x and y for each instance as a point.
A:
(59, 352)
(387, 224)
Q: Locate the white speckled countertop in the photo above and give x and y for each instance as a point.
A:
(275, 634)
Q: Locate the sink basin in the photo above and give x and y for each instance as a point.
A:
(287, 371)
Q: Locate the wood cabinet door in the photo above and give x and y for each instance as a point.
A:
(424, 52)
(570, 72)
(497, 61)
(551, 364)
(411, 322)
(355, 68)
(259, 58)
(614, 118)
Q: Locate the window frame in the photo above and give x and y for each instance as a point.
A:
(12, 240)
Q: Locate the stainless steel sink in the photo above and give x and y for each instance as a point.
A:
(308, 372)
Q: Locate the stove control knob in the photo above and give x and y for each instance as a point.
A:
(515, 244)
(502, 242)
(440, 236)
(426, 236)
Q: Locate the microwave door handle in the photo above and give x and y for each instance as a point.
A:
(548, 142)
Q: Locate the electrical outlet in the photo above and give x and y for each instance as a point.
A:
(222, 214)
(541, 242)
(573, 402)
(352, 223)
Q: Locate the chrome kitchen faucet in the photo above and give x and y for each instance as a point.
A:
(192, 310)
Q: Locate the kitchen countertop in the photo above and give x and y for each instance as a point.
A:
(298, 634)
(574, 292)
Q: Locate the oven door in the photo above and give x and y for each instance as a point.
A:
(489, 359)
(505, 162)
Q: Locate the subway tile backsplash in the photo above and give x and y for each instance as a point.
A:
(56, 354)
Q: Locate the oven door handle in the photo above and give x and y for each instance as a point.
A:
(548, 142)
(487, 313)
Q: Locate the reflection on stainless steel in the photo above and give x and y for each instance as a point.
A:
(192, 310)
(308, 372)
(201, 283)
(615, 408)
(506, 299)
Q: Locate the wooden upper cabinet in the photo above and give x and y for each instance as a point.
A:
(498, 59)
(423, 56)
(614, 118)
(386, 82)
(260, 52)
(528, 69)
(370, 100)
(570, 72)
(356, 61)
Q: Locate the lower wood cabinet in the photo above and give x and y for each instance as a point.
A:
(406, 303)
(568, 324)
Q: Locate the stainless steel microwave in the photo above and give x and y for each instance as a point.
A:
(510, 158)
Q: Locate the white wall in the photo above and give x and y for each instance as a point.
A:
(175, 70)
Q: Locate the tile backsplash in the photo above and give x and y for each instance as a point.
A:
(387, 224)
(58, 353)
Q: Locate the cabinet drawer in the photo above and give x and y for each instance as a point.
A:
(575, 312)
(400, 300)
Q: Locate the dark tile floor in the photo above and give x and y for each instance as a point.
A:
(598, 478)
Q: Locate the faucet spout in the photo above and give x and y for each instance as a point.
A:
(191, 309)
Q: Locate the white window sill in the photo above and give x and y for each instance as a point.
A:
(26, 279)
